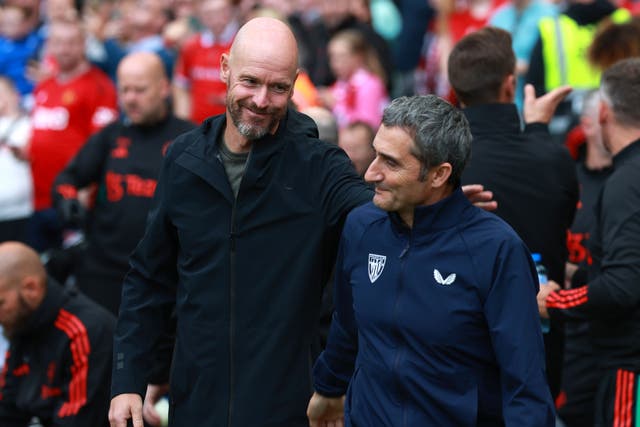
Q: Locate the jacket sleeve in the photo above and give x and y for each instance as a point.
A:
(514, 327)
(334, 367)
(10, 415)
(148, 294)
(341, 189)
(85, 397)
(613, 293)
(85, 168)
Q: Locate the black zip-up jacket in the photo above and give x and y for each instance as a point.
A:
(611, 298)
(124, 160)
(245, 275)
(58, 365)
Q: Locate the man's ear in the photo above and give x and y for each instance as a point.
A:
(604, 111)
(440, 175)
(508, 89)
(224, 67)
(32, 290)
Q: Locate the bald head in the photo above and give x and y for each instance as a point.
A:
(143, 88)
(269, 40)
(18, 261)
(139, 63)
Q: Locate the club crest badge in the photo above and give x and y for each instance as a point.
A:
(376, 265)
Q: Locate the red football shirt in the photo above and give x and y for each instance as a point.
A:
(198, 70)
(64, 116)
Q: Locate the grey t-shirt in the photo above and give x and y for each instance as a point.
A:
(234, 164)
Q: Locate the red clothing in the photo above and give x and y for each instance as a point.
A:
(64, 116)
(198, 69)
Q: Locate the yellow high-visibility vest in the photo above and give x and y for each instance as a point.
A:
(564, 50)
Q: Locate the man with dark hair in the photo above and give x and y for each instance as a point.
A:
(435, 320)
(58, 364)
(533, 179)
(611, 296)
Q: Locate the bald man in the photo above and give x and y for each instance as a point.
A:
(124, 160)
(58, 364)
(240, 240)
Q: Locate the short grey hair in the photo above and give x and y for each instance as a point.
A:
(440, 132)
(620, 89)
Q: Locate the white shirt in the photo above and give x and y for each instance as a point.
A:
(16, 187)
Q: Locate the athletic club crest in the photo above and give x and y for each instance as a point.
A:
(376, 265)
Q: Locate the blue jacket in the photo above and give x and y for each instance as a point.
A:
(440, 320)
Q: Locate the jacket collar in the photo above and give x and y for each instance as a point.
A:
(493, 119)
(47, 312)
(436, 217)
(629, 152)
(204, 157)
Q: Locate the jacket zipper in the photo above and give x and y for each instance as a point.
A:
(396, 310)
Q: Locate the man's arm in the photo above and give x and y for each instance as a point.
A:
(514, 327)
(84, 169)
(334, 367)
(148, 298)
(181, 102)
(10, 415)
(614, 292)
(84, 401)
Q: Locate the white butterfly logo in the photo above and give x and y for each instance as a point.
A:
(449, 280)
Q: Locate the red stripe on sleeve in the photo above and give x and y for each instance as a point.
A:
(80, 350)
(568, 298)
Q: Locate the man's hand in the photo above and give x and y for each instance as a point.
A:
(480, 197)
(543, 293)
(325, 411)
(540, 110)
(125, 407)
(154, 393)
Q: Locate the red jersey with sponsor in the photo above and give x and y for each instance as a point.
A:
(64, 116)
(198, 69)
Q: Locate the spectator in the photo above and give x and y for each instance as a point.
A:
(70, 106)
(198, 91)
(520, 18)
(20, 43)
(532, 178)
(16, 190)
(57, 366)
(610, 297)
(124, 159)
(356, 140)
(359, 92)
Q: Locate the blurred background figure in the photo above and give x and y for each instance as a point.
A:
(58, 365)
(16, 203)
(326, 123)
(20, 43)
(198, 91)
(124, 160)
(356, 140)
(520, 18)
(359, 93)
(69, 106)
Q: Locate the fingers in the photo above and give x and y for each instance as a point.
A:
(136, 416)
(150, 414)
(557, 95)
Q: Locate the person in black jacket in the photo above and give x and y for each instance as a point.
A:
(58, 364)
(610, 298)
(124, 160)
(532, 178)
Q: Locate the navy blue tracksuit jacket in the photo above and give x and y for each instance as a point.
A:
(436, 325)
